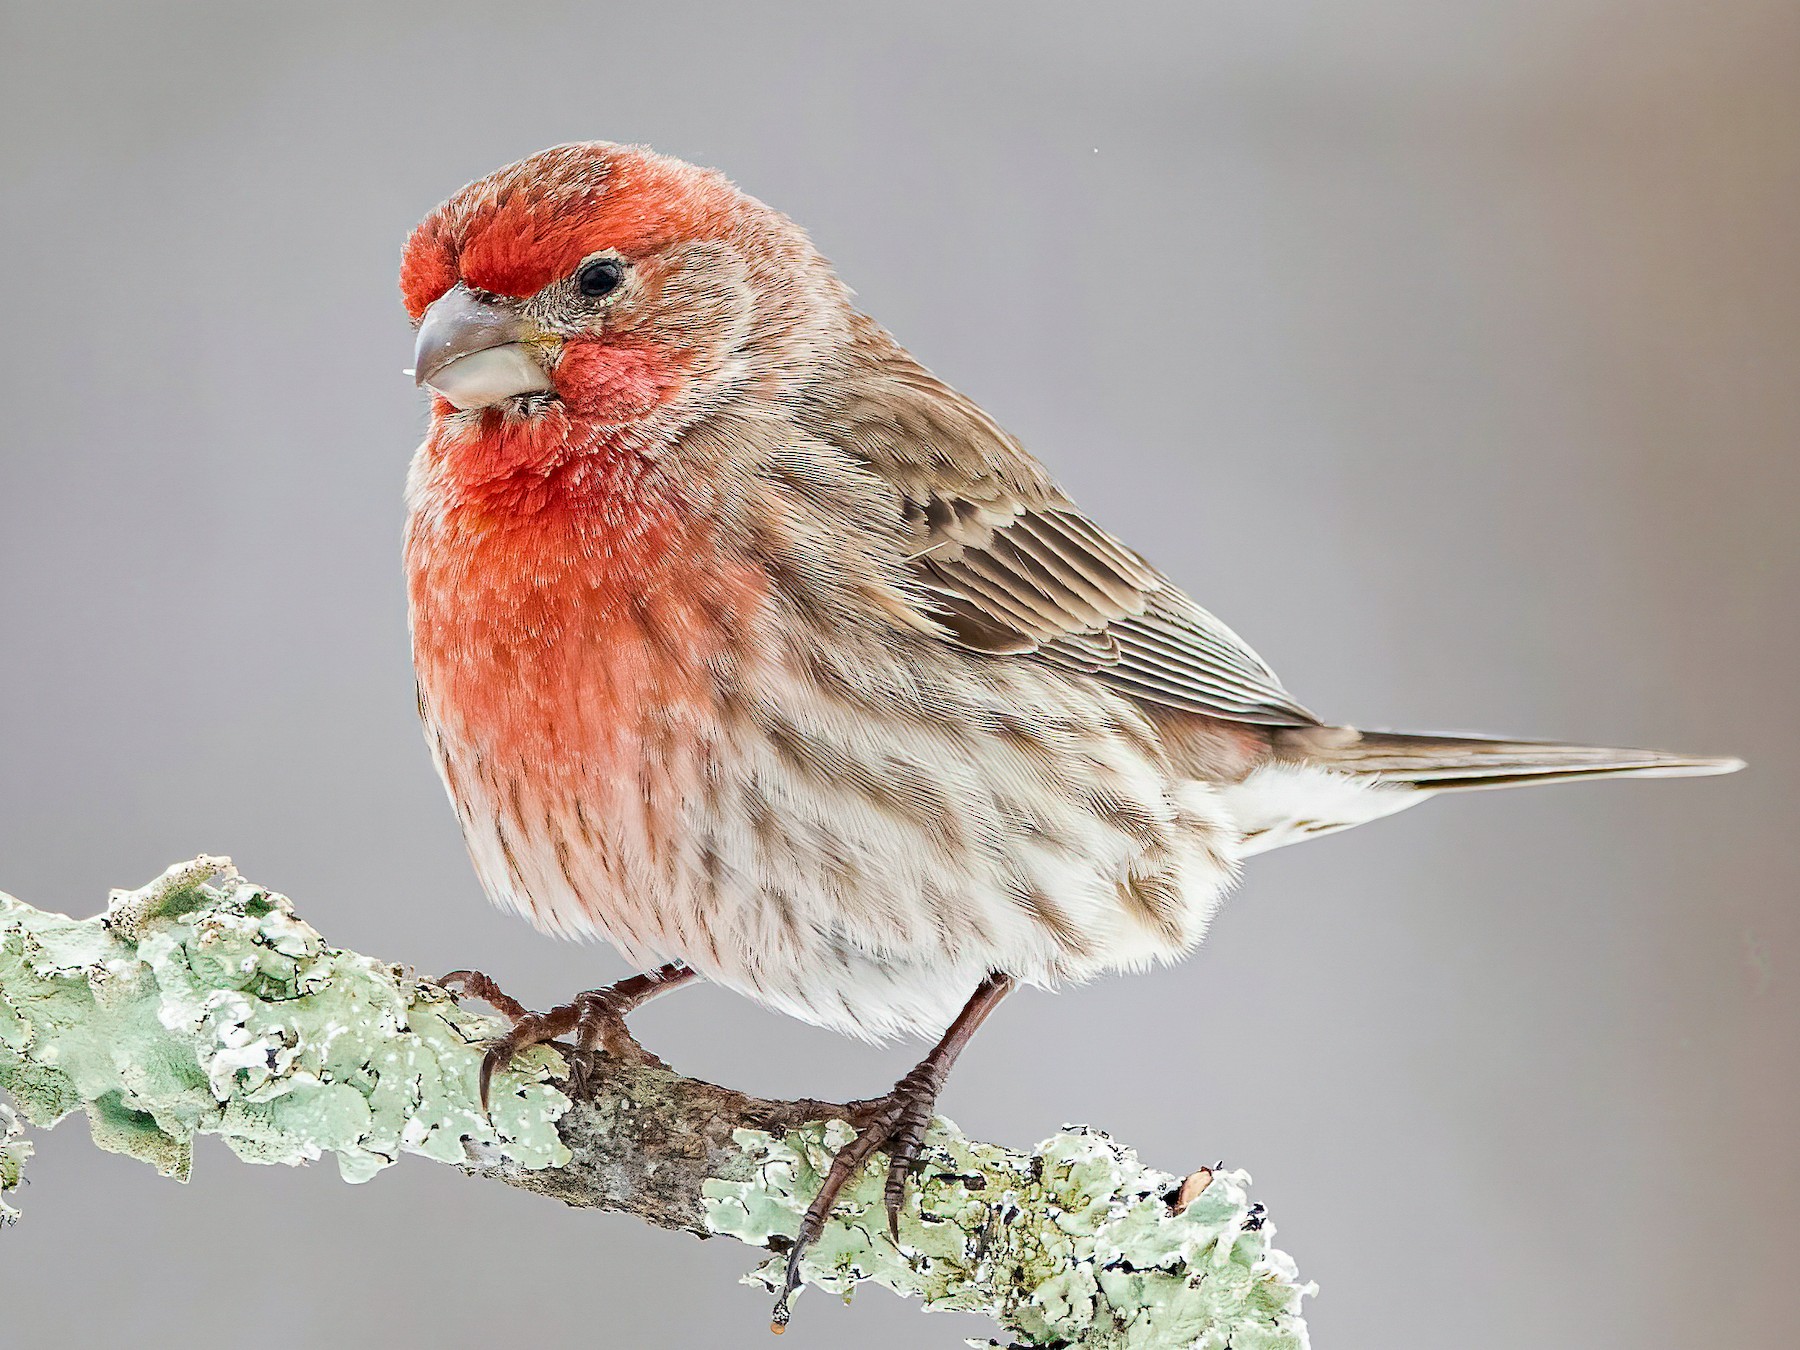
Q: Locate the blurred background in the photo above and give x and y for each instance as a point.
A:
(1451, 353)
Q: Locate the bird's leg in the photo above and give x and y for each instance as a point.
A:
(597, 1018)
(896, 1122)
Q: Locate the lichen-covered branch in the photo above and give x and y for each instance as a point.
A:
(13, 1153)
(201, 1005)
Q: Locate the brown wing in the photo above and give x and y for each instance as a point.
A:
(1045, 579)
(1010, 566)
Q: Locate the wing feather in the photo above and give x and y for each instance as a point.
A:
(1006, 564)
(1051, 582)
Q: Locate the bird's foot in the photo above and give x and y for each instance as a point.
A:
(595, 1019)
(474, 984)
(896, 1123)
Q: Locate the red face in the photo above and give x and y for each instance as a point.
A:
(585, 278)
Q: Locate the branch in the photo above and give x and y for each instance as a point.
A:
(13, 1153)
(201, 1005)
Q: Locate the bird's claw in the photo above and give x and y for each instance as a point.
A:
(475, 984)
(897, 1123)
(596, 1019)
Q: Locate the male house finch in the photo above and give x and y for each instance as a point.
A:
(748, 644)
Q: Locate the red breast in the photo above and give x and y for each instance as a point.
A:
(562, 617)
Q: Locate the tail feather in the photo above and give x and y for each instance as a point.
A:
(1468, 763)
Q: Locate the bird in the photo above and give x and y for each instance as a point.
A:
(746, 643)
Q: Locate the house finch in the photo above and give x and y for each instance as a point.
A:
(748, 644)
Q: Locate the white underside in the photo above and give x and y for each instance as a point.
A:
(1286, 803)
(828, 926)
(872, 911)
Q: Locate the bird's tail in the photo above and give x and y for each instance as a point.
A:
(1465, 763)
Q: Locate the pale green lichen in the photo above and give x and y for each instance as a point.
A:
(201, 1005)
(1074, 1243)
(14, 1150)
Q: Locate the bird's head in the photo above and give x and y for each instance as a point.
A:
(605, 286)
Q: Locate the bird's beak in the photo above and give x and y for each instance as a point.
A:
(475, 351)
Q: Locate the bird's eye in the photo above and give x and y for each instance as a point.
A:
(600, 277)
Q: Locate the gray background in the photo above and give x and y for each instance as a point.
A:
(1448, 351)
